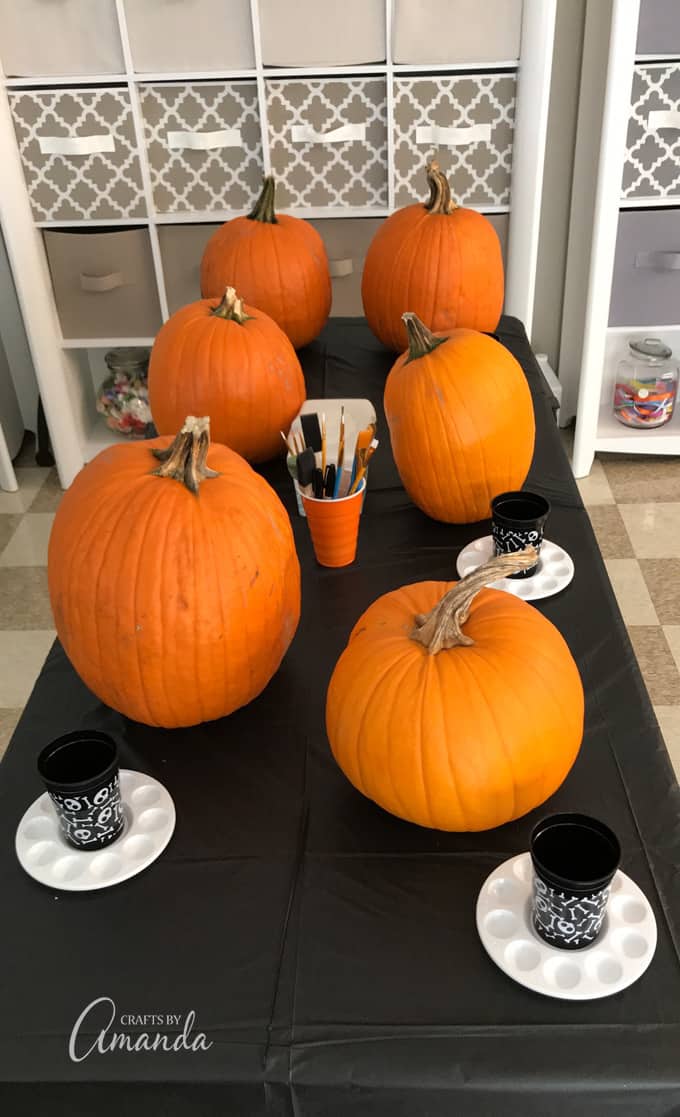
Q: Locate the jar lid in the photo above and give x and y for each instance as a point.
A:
(126, 357)
(650, 347)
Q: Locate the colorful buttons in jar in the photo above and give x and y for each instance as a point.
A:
(646, 384)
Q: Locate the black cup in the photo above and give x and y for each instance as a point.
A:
(80, 771)
(574, 858)
(517, 520)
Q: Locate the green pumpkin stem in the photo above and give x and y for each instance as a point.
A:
(442, 627)
(185, 459)
(440, 200)
(421, 341)
(263, 210)
(231, 308)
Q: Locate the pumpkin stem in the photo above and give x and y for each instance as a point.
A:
(185, 459)
(440, 200)
(231, 308)
(442, 626)
(263, 210)
(421, 341)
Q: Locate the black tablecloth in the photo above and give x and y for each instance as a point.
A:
(329, 950)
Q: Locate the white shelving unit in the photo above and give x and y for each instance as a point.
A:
(63, 365)
(590, 346)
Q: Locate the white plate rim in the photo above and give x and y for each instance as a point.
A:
(519, 870)
(526, 589)
(130, 782)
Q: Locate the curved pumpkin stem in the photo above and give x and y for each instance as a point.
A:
(185, 459)
(231, 308)
(442, 626)
(440, 200)
(263, 210)
(421, 341)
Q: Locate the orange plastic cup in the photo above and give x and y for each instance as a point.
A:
(334, 527)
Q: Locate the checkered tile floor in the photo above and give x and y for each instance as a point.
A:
(634, 506)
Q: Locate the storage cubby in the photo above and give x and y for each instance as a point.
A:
(153, 121)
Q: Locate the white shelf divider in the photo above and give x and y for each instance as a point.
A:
(531, 125)
(138, 122)
(261, 88)
(616, 111)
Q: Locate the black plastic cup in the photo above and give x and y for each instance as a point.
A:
(517, 521)
(574, 858)
(80, 772)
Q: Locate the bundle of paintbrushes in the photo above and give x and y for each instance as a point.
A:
(308, 462)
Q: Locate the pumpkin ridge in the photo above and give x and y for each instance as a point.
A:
(363, 784)
(453, 781)
(426, 410)
(478, 441)
(503, 748)
(121, 573)
(455, 661)
(405, 661)
(421, 745)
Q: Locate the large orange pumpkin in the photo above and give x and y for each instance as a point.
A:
(277, 263)
(233, 363)
(440, 260)
(457, 708)
(174, 583)
(461, 422)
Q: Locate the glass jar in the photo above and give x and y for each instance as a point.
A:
(124, 397)
(646, 384)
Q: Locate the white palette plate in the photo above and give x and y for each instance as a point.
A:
(619, 956)
(149, 824)
(555, 569)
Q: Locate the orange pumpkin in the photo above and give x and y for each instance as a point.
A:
(233, 363)
(278, 263)
(174, 583)
(439, 260)
(456, 707)
(461, 422)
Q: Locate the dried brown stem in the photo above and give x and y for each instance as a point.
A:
(185, 459)
(442, 627)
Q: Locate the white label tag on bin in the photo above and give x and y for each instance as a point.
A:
(338, 268)
(453, 137)
(304, 133)
(663, 118)
(204, 141)
(76, 145)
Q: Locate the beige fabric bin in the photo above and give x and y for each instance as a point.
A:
(181, 252)
(104, 283)
(49, 37)
(449, 31)
(188, 36)
(322, 32)
(347, 240)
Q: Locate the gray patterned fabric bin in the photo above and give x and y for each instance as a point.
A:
(79, 153)
(328, 141)
(652, 163)
(204, 145)
(465, 122)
